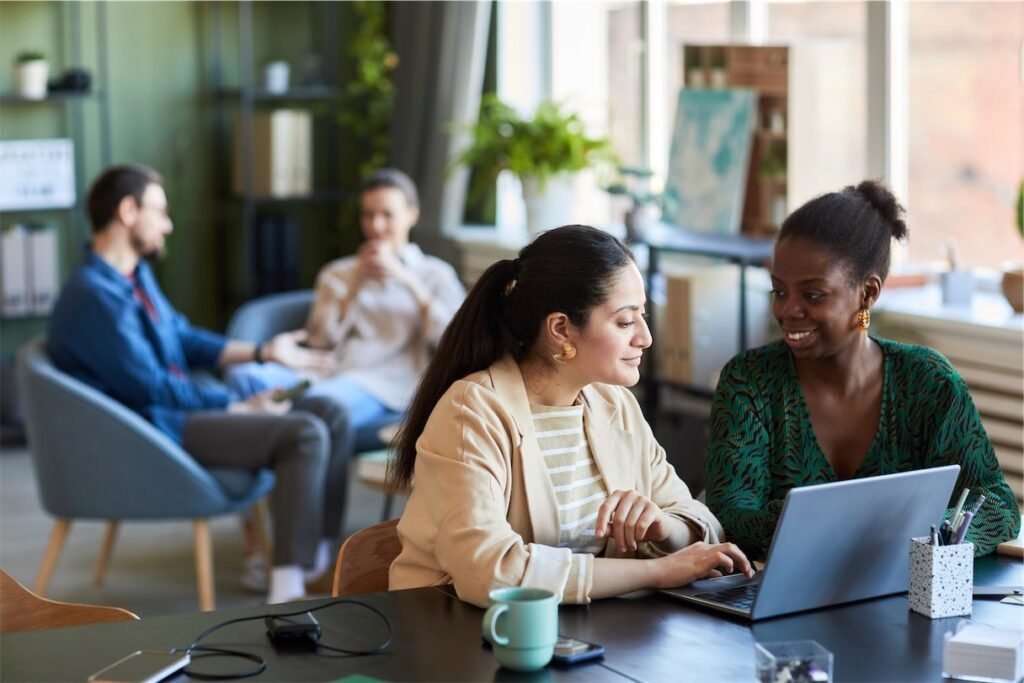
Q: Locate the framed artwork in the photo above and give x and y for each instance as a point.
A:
(37, 174)
(709, 159)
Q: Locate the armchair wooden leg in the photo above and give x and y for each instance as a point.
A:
(53, 548)
(261, 517)
(204, 564)
(109, 536)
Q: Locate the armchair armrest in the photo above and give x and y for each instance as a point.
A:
(94, 458)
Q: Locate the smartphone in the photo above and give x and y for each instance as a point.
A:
(141, 666)
(572, 651)
(282, 395)
(569, 650)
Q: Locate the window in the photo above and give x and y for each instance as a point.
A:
(685, 22)
(940, 115)
(965, 139)
(625, 81)
(841, 28)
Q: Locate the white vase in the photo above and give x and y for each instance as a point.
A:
(551, 204)
(718, 78)
(31, 79)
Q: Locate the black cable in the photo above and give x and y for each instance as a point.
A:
(261, 664)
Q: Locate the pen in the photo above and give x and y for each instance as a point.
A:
(968, 517)
(935, 537)
(958, 537)
(946, 532)
(959, 507)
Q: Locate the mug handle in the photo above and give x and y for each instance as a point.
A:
(491, 620)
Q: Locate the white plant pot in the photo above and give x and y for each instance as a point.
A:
(718, 79)
(31, 79)
(551, 205)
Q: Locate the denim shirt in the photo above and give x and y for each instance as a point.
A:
(101, 333)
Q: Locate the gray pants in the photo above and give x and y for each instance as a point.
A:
(308, 450)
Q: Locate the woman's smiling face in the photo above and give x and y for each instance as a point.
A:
(814, 301)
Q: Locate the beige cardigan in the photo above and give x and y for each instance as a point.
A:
(483, 513)
(384, 341)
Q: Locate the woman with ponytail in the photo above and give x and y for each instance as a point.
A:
(529, 459)
(830, 401)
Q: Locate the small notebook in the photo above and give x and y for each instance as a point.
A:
(1014, 548)
(983, 651)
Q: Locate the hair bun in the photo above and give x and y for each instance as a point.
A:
(885, 203)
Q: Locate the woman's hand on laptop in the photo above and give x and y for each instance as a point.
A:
(701, 561)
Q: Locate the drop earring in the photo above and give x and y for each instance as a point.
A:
(864, 319)
(568, 353)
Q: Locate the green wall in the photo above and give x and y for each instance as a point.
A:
(163, 112)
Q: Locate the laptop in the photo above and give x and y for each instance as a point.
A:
(835, 543)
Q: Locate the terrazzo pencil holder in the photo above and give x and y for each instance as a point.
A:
(941, 578)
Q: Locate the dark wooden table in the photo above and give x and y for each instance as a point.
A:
(437, 638)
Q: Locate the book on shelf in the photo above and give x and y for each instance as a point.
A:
(282, 154)
(44, 280)
(29, 277)
(14, 273)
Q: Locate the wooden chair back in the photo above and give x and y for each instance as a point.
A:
(23, 610)
(365, 558)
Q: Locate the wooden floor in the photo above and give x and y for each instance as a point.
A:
(152, 570)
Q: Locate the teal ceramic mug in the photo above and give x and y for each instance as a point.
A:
(522, 626)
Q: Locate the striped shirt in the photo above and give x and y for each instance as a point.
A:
(578, 485)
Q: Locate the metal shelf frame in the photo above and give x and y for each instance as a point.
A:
(249, 96)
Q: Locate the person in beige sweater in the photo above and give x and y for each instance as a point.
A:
(529, 459)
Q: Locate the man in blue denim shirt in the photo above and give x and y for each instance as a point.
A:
(113, 328)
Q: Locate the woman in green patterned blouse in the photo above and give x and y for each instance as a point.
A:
(830, 402)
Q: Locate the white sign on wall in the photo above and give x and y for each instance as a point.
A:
(37, 174)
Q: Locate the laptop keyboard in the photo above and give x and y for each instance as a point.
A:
(740, 597)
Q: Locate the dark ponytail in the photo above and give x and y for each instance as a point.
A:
(856, 226)
(568, 270)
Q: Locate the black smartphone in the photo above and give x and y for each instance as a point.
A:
(141, 666)
(573, 651)
(291, 392)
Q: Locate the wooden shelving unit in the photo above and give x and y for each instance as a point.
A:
(801, 146)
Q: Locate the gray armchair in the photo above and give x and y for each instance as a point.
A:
(96, 459)
(260, 319)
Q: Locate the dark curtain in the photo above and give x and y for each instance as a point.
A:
(442, 47)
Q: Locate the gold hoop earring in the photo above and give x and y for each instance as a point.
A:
(568, 353)
(864, 319)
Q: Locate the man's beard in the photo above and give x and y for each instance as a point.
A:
(152, 254)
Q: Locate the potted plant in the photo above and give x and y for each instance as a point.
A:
(30, 74)
(545, 151)
(634, 184)
(718, 75)
(693, 68)
(1013, 273)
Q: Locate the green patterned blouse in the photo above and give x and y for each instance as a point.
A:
(762, 443)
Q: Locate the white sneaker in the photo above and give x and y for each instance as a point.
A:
(286, 585)
(255, 576)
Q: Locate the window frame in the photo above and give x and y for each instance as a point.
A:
(524, 78)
